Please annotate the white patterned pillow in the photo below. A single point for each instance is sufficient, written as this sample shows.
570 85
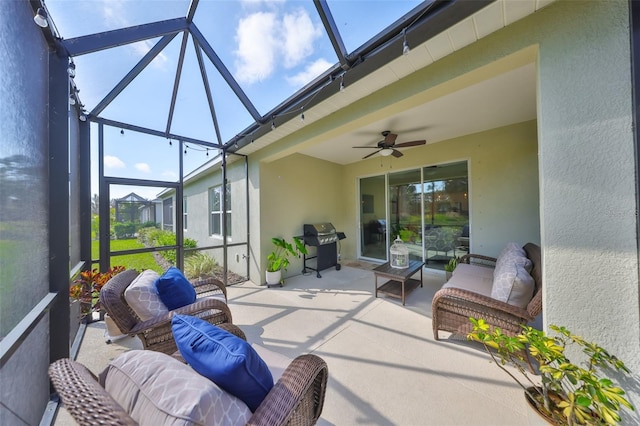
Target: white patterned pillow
142 297
512 284
512 252
156 389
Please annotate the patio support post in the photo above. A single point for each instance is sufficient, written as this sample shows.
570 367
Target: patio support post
178 211
85 192
59 203
103 209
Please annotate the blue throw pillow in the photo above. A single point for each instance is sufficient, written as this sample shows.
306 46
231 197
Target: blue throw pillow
174 289
223 358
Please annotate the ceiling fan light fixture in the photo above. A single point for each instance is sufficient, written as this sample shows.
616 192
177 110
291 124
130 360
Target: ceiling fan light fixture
385 152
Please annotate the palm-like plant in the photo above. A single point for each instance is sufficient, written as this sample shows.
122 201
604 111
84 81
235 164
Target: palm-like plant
569 393
278 259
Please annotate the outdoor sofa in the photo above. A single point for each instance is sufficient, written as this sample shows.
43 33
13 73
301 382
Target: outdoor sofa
505 291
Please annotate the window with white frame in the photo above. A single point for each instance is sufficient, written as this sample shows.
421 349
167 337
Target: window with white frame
215 208
184 213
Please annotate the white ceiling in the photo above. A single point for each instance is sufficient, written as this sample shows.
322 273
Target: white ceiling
499 101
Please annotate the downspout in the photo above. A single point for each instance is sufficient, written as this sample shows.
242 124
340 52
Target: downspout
634 27
224 217
246 192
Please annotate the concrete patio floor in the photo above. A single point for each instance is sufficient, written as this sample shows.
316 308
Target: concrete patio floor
385 368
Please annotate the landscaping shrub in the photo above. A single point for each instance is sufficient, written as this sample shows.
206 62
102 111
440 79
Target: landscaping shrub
124 230
200 265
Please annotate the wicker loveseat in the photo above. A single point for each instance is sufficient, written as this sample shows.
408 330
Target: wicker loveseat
155 332
469 294
170 392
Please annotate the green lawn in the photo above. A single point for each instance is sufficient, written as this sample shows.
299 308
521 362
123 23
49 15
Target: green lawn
139 262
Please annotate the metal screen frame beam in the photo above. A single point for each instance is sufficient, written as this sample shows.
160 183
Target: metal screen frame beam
332 31
153 132
176 81
224 72
106 40
207 89
131 75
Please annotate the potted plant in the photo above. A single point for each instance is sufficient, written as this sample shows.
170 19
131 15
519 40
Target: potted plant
567 393
450 267
86 290
278 259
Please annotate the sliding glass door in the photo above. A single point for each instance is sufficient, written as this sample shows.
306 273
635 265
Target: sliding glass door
373 218
446 213
405 211
428 208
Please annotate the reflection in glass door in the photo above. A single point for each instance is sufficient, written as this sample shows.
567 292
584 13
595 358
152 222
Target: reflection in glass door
373 224
405 212
427 208
446 213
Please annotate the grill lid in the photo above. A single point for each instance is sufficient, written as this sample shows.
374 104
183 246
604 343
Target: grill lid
317 229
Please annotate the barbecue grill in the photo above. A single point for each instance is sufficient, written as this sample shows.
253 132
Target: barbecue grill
324 237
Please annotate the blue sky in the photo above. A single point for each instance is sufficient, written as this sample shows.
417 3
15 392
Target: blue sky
272 48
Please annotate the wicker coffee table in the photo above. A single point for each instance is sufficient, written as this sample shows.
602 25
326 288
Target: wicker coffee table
399 282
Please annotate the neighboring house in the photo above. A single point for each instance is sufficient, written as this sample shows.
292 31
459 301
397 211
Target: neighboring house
134 208
545 113
202 214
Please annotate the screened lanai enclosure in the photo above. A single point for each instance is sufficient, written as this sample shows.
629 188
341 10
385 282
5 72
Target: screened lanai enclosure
165 103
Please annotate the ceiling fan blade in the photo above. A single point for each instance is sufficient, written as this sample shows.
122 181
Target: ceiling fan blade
397 153
412 143
373 153
390 139
370 147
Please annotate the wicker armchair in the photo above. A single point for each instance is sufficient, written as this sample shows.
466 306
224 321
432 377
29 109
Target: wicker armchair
452 307
297 398
155 333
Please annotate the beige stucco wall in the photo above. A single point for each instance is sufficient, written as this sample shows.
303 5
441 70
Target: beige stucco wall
503 173
197 193
588 174
586 160
503 184
296 190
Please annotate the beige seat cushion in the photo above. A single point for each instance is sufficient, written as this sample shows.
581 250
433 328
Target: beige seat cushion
142 297
478 279
156 389
513 284
512 252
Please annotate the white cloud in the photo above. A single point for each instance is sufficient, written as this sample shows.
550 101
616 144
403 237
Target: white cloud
257 46
112 162
299 35
170 174
142 47
265 40
312 71
115 14
143 167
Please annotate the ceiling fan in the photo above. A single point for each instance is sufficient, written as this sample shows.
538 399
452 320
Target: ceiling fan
388 145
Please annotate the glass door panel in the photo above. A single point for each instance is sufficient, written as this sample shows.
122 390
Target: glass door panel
405 212
373 224
446 213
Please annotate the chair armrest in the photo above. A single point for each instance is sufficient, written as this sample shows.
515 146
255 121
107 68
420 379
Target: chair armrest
83 396
470 304
299 393
478 259
200 306
209 286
